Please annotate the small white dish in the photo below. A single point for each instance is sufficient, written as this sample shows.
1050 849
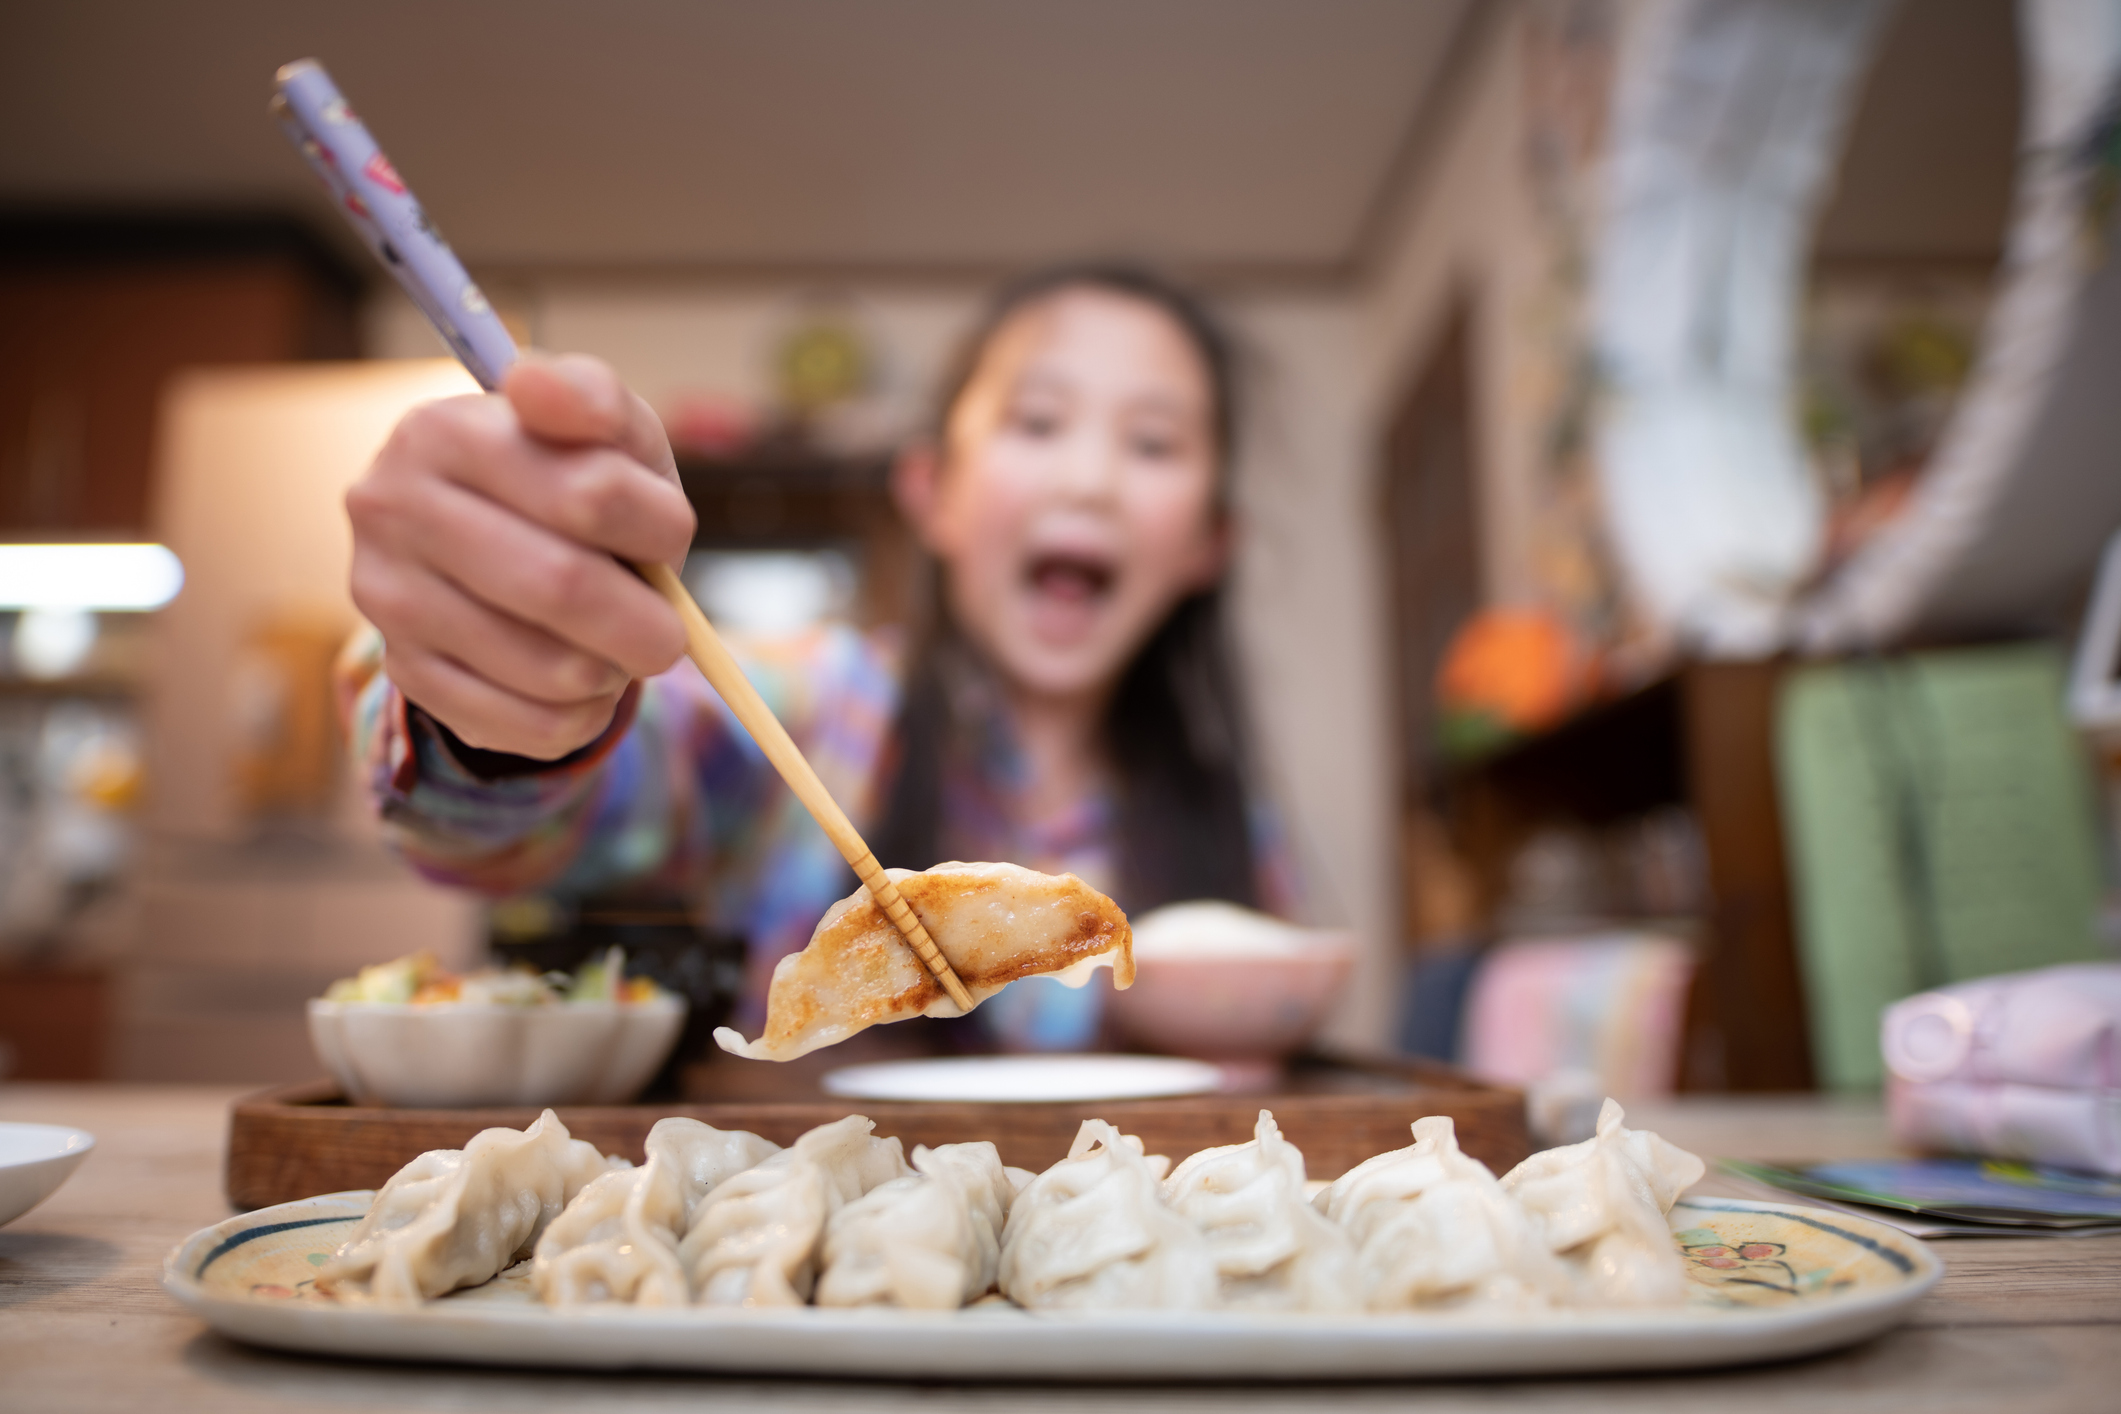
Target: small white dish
1001 1079
467 1054
34 1160
1223 983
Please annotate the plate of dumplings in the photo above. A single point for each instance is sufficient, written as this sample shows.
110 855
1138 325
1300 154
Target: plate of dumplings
843 1254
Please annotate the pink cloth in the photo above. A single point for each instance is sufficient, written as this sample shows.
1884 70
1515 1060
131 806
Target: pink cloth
1609 1005
2023 1066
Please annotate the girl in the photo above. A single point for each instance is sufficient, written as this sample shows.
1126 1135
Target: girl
1068 705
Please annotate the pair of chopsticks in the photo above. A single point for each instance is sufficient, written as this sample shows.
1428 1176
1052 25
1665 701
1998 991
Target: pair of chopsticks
375 201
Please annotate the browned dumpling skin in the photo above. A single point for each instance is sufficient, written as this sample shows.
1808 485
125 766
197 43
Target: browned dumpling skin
996 923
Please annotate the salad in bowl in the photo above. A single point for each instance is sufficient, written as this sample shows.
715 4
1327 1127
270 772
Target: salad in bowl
411 1033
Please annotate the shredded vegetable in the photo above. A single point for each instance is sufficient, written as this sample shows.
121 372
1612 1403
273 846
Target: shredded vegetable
421 980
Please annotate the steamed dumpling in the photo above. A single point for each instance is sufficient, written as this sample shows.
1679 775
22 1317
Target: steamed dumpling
698 1157
618 1240
458 1217
928 1242
1432 1224
1093 1233
753 1240
1601 1204
996 923
1273 1251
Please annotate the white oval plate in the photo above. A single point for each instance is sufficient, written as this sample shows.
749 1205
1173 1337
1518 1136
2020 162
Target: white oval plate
1771 1280
999 1079
34 1160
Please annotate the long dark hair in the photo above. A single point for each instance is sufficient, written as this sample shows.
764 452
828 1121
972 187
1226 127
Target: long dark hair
1173 728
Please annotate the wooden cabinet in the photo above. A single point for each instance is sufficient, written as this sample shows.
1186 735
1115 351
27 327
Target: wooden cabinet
1702 738
54 1023
96 315
792 498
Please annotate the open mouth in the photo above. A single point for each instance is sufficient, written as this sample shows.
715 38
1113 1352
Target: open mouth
1070 579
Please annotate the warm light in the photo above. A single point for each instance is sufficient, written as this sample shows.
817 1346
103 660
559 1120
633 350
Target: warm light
52 643
110 578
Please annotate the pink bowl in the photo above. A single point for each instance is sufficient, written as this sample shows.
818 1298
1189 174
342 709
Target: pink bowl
1239 1008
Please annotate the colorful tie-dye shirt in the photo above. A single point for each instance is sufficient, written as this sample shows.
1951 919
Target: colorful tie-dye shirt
676 800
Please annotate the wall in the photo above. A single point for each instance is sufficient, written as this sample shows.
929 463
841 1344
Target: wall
235 921
1312 635
251 466
1464 232
673 340
1495 220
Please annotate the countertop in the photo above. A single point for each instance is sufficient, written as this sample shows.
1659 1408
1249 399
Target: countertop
2020 1324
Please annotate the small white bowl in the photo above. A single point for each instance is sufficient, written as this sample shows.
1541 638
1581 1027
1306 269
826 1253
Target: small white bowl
464 1054
1227 984
34 1160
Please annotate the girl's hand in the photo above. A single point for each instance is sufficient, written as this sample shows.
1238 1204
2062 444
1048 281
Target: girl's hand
483 541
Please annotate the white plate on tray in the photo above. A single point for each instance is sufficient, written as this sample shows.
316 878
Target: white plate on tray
1775 1281
1015 1079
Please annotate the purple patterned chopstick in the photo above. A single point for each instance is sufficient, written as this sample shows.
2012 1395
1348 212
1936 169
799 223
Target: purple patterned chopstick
377 204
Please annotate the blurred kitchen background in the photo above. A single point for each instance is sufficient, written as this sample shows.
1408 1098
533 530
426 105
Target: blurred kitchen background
1684 441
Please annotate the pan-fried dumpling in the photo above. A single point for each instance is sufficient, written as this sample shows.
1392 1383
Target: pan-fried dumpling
929 1242
618 1240
754 1239
458 1217
1432 1224
996 923
1601 1204
1272 1249
1094 1233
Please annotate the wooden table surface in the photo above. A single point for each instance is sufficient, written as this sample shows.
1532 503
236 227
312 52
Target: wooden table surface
84 1326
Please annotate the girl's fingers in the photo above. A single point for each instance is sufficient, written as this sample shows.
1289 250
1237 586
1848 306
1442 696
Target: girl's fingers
515 656
527 572
573 399
570 398
597 495
484 716
483 544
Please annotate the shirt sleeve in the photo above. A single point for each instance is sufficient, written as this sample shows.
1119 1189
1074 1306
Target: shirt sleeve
673 797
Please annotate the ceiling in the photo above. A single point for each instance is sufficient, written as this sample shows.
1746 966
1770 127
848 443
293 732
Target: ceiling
1240 135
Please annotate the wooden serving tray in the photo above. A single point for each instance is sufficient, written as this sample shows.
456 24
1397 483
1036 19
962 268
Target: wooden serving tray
297 1141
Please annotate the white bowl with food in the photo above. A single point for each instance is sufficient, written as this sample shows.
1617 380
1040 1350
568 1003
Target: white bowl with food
406 1033
1218 982
34 1160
